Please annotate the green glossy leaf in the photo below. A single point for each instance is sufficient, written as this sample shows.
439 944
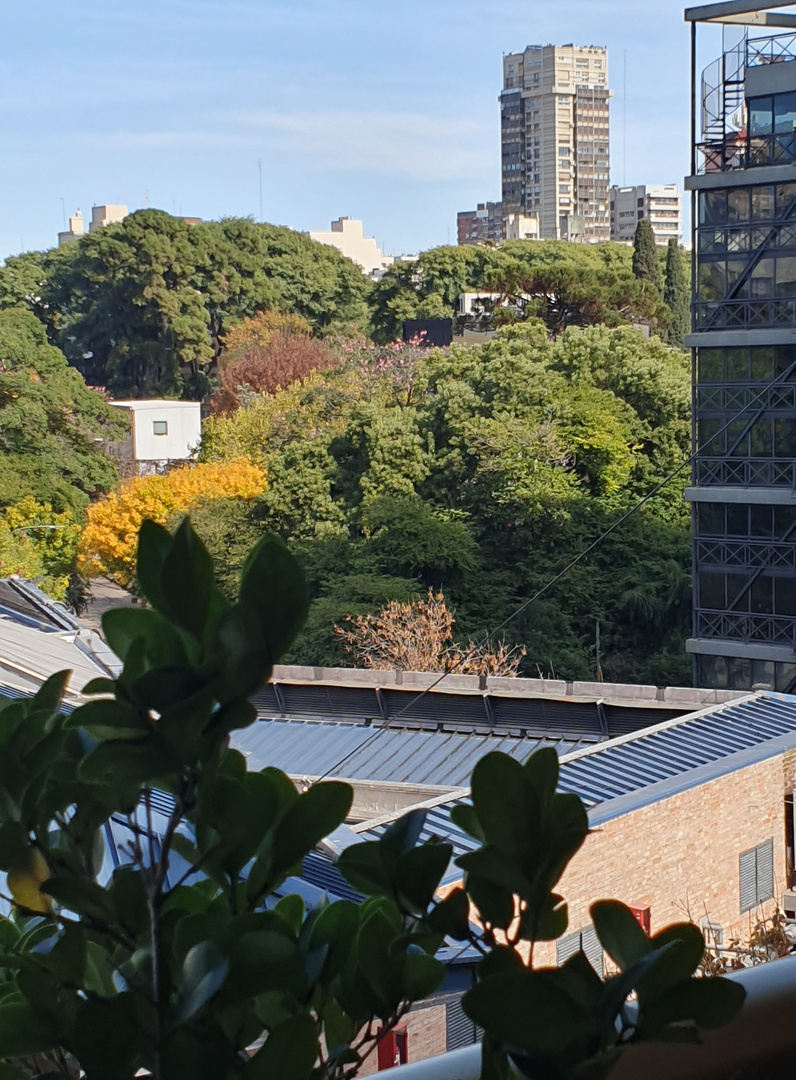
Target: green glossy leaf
451 916
84 897
123 626
335 929
273 585
50 694
126 762
154 542
100 686
422 975
500 960
374 955
362 866
706 1002
619 933
203 973
495 904
507 805
315 814
14 842
541 768
464 815
108 715
187 580
292 910
419 872
530 1011
401 836
23 1031
289 1052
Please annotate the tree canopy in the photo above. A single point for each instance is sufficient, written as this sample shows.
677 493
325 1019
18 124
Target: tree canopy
482 471
52 427
564 284
142 306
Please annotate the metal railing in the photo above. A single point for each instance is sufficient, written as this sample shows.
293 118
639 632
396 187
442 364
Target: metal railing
743 626
744 314
745 472
759 1044
746 553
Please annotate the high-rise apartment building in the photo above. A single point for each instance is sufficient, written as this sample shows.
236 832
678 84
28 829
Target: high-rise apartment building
482 225
743 487
554 138
660 204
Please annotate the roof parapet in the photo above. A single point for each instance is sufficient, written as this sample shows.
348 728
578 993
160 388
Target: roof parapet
743 13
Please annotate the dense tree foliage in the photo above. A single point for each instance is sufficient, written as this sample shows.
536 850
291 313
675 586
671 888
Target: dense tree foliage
482 472
676 296
563 284
51 425
646 264
143 306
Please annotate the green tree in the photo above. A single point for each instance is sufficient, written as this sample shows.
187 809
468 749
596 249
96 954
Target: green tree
482 472
142 306
52 427
676 296
646 265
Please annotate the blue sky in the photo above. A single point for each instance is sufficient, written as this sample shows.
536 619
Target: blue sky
386 111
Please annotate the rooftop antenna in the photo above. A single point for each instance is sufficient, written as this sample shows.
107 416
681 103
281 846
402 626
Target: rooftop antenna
624 120
63 211
260 172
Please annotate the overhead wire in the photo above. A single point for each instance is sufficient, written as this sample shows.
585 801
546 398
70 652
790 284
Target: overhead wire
566 570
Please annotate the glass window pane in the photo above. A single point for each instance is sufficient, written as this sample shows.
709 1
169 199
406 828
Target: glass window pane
710 519
762 363
737 520
710 365
737 205
708 439
785 438
713 208
712 241
739 674
784 358
738 592
784 518
760 440
786 194
784 113
760 520
761 596
760 116
737 365
761 282
786 276
763 203
711 591
784 596
738 438
712 280
735 267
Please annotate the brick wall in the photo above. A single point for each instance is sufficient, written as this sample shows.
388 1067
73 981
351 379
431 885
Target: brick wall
426 1033
683 852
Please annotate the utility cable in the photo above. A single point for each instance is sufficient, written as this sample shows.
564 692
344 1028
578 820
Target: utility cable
568 568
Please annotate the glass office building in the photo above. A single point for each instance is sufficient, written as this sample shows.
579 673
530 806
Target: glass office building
743 489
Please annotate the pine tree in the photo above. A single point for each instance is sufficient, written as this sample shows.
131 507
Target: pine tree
675 296
646 266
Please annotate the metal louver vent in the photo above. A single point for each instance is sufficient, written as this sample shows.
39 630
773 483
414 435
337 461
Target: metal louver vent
593 950
566 947
747 868
460 1030
765 871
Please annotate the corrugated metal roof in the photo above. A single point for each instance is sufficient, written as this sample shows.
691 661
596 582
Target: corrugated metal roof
355 751
660 761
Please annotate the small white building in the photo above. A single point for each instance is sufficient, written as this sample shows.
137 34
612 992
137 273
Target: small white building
660 204
161 431
521 227
348 236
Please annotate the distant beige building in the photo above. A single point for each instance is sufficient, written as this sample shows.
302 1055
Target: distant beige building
77 228
348 236
660 204
110 214
521 227
554 139
101 216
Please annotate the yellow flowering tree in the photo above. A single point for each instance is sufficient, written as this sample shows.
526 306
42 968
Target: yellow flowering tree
108 543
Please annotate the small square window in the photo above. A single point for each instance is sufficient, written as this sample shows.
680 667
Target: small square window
160 427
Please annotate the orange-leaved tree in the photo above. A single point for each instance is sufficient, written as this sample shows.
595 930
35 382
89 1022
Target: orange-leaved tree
108 543
257 331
